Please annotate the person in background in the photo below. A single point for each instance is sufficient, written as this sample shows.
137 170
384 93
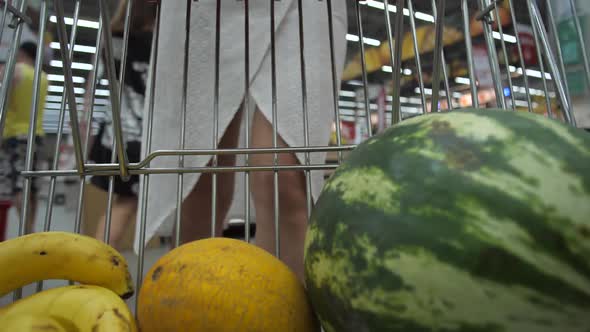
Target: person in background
217 122
13 147
136 70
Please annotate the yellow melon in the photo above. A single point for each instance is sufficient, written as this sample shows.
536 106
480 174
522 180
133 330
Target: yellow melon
222 284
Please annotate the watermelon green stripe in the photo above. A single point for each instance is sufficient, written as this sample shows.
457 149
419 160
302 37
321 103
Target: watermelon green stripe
444 203
455 302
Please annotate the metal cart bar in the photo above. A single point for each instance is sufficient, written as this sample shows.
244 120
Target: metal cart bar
557 47
541 62
416 57
305 115
334 72
248 111
438 46
505 54
148 143
492 54
60 127
22 227
443 62
113 87
559 81
182 138
555 91
520 56
361 42
469 51
275 121
69 94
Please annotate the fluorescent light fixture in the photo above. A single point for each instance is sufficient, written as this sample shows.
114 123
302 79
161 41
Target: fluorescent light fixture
350 104
104 81
406 100
405 71
52 106
530 72
462 80
424 17
79 100
57 88
537 74
380 5
507 38
75 65
58 99
100 92
60 78
368 41
533 92
81 23
355 82
344 93
101 101
77 48
427 91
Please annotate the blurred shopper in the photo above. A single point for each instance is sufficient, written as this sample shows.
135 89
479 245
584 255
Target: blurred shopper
202 123
13 147
132 100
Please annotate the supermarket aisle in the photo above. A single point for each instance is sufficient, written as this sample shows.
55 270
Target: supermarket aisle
63 220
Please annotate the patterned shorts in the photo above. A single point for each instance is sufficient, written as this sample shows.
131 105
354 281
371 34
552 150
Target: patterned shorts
13 153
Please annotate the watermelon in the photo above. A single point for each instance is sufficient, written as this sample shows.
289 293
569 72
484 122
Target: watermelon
474 220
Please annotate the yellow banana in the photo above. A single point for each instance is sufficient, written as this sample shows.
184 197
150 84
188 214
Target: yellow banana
60 255
85 308
30 323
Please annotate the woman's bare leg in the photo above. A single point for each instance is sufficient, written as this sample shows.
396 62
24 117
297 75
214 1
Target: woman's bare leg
196 208
292 200
124 207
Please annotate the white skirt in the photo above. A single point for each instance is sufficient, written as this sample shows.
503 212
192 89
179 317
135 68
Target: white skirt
161 200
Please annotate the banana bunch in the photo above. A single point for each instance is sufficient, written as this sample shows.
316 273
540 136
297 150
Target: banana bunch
59 255
96 305
29 322
72 308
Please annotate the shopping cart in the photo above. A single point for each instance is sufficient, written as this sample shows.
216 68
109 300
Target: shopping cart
505 70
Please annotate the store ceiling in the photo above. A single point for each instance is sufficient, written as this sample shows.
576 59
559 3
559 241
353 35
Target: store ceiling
372 22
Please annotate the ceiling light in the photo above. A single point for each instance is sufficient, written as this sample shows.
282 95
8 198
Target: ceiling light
462 80
427 91
60 78
419 15
507 38
344 93
368 41
75 65
81 23
57 88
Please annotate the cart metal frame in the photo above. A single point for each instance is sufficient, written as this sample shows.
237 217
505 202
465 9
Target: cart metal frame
549 55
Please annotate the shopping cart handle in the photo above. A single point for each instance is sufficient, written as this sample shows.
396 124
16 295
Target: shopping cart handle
17 13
